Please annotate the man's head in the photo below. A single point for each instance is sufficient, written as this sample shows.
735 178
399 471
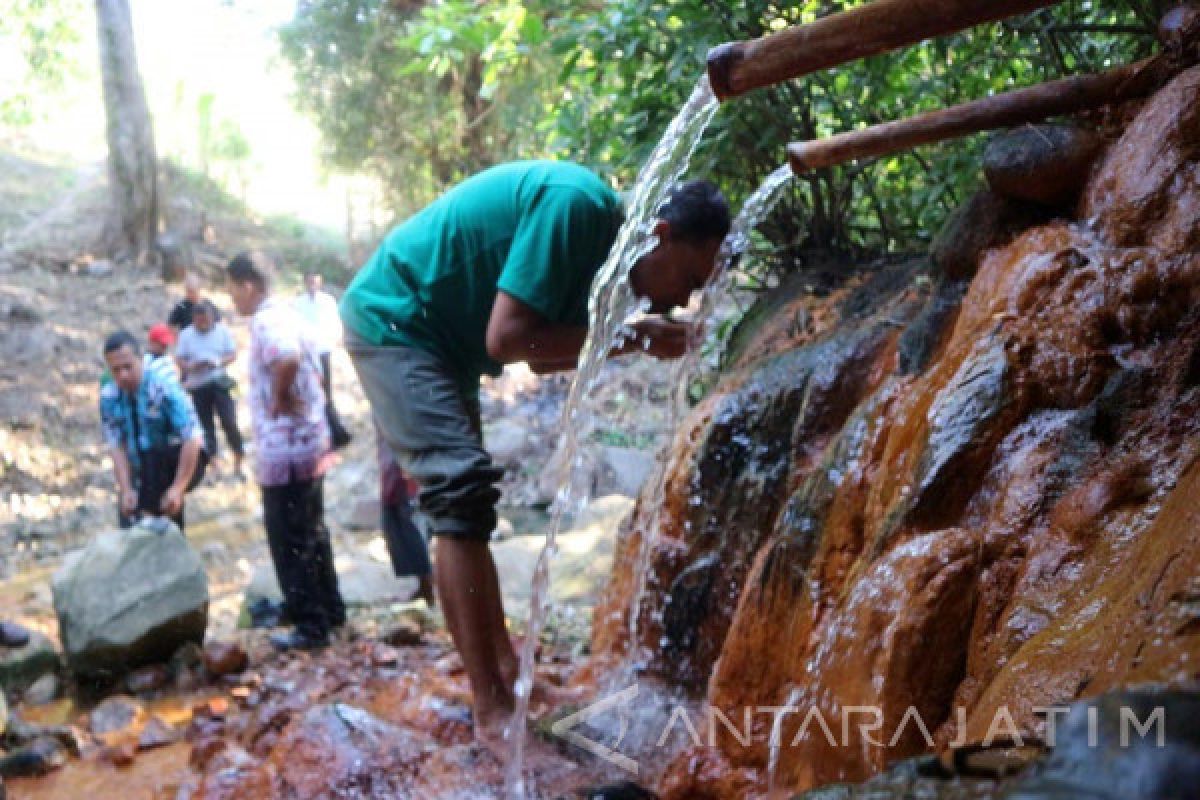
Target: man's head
124 359
313 282
191 287
691 225
248 279
204 315
159 338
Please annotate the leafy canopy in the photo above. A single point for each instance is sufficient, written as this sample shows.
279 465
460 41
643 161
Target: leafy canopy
422 94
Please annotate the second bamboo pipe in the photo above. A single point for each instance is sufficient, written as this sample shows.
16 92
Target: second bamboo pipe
1036 103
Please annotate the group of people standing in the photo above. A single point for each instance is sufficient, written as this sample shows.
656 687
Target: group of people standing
159 417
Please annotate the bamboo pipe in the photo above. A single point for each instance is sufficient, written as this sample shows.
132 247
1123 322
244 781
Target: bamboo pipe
737 67
1065 96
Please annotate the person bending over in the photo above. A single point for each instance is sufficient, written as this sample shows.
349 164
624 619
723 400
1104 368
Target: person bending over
151 431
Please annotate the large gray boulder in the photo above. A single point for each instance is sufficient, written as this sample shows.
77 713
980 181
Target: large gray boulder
129 598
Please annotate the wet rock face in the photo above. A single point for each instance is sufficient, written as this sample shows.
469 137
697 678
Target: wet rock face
992 512
961 427
864 657
985 221
130 598
1147 190
1043 164
729 472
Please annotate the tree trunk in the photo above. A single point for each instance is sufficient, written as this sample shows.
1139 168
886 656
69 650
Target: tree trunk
132 177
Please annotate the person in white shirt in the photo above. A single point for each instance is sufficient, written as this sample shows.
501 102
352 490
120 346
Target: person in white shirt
204 350
318 308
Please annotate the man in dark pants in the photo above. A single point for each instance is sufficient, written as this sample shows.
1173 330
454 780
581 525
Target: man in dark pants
151 430
204 350
499 270
287 408
405 542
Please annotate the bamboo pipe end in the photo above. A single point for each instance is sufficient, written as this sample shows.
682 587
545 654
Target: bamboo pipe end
798 153
722 60
1179 29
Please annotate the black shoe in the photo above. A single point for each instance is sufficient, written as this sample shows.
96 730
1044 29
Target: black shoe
297 640
13 635
340 437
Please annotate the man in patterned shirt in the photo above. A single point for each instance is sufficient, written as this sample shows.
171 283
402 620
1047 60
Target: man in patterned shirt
287 409
151 431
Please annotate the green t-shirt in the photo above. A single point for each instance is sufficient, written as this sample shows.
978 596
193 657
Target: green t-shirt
538 230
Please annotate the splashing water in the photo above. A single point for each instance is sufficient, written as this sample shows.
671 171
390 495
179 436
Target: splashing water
710 318
611 304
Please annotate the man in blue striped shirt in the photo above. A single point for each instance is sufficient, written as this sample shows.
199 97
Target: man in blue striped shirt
152 433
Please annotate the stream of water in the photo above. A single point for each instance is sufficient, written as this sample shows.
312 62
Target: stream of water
721 286
610 306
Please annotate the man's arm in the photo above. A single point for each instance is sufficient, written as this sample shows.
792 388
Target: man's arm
229 354
127 496
189 454
183 356
283 382
517 332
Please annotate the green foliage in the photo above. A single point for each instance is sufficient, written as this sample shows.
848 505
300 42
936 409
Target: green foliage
639 58
38 37
421 94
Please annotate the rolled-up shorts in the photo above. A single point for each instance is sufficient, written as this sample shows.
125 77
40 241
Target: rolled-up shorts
432 425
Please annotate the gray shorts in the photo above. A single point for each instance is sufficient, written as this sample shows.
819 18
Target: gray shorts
433 429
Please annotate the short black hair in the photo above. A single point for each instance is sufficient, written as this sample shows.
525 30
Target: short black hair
115 341
206 306
252 267
696 211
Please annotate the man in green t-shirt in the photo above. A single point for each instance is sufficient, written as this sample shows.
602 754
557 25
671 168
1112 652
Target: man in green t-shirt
499 270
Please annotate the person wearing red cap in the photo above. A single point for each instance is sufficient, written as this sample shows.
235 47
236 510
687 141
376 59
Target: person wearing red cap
158 342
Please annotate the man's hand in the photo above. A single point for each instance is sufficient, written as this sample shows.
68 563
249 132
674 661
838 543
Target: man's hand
284 398
128 502
659 337
285 404
172 501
